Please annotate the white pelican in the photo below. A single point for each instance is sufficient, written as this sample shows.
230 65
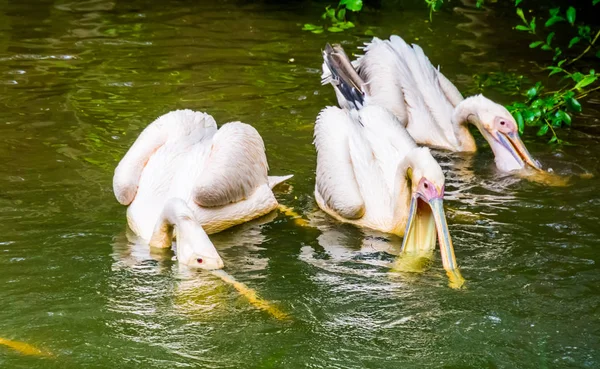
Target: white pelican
184 175
400 78
371 173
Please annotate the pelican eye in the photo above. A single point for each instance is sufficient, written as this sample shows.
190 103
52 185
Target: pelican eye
199 260
502 122
426 185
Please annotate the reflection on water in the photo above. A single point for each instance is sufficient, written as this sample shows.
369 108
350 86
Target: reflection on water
80 79
477 25
195 289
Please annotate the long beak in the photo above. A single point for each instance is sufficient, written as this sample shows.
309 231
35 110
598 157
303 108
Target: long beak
446 246
419 237
512 142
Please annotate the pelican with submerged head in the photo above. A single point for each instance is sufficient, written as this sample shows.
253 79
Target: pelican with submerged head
184 179
401 78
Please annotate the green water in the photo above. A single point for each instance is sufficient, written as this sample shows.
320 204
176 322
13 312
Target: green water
80 80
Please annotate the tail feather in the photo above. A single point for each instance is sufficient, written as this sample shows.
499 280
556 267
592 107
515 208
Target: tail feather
340 73
275 180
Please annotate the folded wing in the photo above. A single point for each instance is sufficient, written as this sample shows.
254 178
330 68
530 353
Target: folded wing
235 168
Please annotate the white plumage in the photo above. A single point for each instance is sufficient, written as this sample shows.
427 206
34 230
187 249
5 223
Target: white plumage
362 163
182 168
402 79
370 171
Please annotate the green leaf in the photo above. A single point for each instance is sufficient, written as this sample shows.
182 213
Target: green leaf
549 38
353 5
546 47
595 2
517 2
537 103
554 19
574 41
561 62
335 29
554 11
557 53
543 130
341 15
532 25
555 122
586 81
584 32
549 102
344 25
310 27
520 122
529 117
479 3
535 44
598 53
330 13
516 106
577 76
573 104
554 70
563 116
571 15
553 139
317 31
521 15
532 92
522 28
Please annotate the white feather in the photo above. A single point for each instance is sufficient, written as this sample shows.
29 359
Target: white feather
383 84
335 178
236 166
361 161
182 155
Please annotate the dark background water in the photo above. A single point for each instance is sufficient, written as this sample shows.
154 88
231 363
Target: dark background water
80 80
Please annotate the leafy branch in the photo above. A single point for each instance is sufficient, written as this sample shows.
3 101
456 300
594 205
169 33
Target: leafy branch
550 110
337 17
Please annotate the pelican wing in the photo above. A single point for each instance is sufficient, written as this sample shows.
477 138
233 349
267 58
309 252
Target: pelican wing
452 93
176 125
336 181
376 153
377 67
428 109
420 123
434 95
423 79
235 168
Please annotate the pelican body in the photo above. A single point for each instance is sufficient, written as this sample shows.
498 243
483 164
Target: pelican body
371 173
401 78
182 176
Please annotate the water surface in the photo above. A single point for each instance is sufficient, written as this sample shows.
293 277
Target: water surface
80 80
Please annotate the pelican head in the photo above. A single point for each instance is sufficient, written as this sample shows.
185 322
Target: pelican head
426 216
499 128
195 250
